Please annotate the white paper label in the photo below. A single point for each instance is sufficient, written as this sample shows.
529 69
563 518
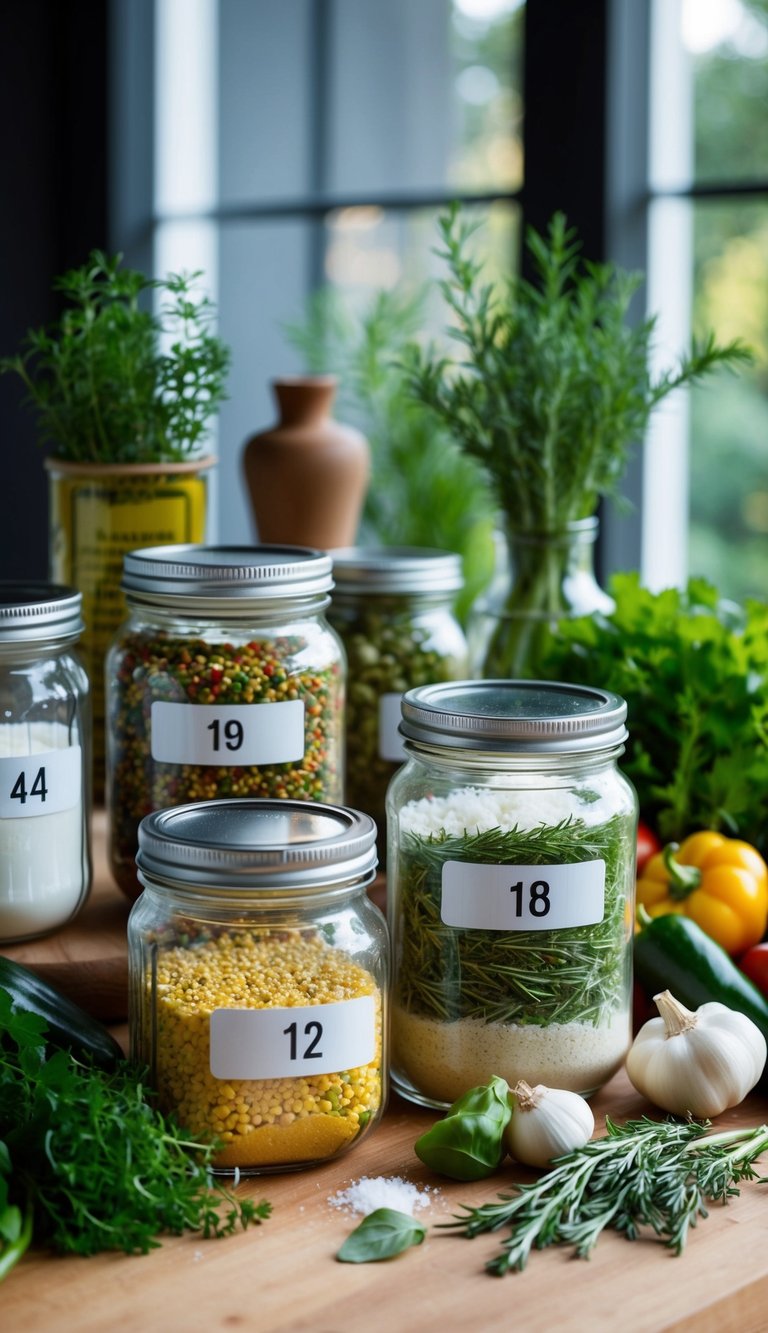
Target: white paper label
284 1043
40 784
224 735
478 897
391 745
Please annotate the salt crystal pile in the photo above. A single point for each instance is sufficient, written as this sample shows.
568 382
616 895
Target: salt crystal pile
371 1192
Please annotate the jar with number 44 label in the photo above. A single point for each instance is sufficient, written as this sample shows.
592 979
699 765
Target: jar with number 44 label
258 978
225 681
511 863
45 866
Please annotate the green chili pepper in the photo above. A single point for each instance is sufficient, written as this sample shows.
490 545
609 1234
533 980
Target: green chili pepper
468 1143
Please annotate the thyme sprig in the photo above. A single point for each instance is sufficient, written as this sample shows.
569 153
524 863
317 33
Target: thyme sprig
113 382
655 1174
542 977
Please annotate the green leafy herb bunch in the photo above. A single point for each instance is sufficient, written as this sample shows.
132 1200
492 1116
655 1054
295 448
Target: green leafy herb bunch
114 381
550 389
87 1161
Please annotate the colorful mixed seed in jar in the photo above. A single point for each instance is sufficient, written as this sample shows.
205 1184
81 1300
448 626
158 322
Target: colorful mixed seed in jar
262 1122
189 677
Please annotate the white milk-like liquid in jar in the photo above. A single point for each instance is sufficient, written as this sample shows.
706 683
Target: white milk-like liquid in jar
42 853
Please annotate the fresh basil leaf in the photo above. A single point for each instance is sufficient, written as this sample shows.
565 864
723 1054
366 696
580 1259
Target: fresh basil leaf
381 1235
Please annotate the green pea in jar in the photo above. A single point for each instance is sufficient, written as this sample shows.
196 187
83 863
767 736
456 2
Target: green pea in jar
226 681
393 608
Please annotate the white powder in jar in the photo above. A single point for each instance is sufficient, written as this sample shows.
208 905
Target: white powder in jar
371 1192
474 810
444 1060
43 857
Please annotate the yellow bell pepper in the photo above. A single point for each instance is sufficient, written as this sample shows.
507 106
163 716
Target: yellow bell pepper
720 883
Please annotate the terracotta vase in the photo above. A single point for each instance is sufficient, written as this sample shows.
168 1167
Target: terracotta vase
307 476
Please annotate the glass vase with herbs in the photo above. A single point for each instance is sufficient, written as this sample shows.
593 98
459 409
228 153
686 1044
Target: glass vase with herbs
550 390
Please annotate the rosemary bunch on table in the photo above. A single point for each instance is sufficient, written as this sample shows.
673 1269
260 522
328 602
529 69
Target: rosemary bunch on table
530 976
659 1175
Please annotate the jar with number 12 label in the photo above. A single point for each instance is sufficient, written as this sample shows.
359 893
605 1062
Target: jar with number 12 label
258 978
225 681
511 869
45 866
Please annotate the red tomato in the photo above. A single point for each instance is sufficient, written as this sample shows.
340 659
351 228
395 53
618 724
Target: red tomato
647 845
754 963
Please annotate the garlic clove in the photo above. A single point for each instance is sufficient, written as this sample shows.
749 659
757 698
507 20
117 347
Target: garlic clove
547 1123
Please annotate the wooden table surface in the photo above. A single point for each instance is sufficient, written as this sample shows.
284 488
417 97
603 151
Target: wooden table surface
282 1276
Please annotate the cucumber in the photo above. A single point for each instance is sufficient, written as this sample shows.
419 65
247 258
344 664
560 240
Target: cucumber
673 953
68 1026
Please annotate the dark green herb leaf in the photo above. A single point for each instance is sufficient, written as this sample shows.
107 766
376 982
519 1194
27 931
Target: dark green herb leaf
694 673
381 1235
468 1143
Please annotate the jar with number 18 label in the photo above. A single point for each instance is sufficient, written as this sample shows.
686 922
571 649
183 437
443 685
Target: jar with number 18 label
225 681
258 978
511 869
45 866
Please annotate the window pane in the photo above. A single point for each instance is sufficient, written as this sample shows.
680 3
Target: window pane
265 113
425 96
729 416
728 44
263 278
371 248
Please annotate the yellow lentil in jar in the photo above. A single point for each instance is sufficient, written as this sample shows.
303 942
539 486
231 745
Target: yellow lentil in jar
261 1122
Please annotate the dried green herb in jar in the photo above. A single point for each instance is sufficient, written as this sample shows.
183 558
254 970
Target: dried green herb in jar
221 695
392 607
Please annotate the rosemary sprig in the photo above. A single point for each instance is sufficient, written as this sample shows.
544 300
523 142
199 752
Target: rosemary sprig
540 977
645 1173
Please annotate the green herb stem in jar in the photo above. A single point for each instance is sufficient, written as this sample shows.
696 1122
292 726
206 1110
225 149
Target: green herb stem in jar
546 1005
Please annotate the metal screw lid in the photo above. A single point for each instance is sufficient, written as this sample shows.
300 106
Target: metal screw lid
254 844
514 716
236 573
393 569
34 612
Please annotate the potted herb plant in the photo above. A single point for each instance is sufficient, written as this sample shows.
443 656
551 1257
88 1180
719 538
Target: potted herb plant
550 390
124 395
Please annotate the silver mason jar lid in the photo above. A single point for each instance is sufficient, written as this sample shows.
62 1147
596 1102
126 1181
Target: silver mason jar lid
395 569
231 573
254 844
514 716
35 612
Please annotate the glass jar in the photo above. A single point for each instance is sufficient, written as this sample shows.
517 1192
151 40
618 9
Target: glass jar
512 837
393 607
45 863
214 635
258 978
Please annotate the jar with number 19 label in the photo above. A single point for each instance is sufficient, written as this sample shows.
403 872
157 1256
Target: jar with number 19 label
258 978
45 866
225 681
511 870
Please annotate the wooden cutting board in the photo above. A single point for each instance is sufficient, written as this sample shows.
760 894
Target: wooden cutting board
88 959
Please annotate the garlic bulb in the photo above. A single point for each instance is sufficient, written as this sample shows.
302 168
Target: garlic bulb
699 1063
546 1123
